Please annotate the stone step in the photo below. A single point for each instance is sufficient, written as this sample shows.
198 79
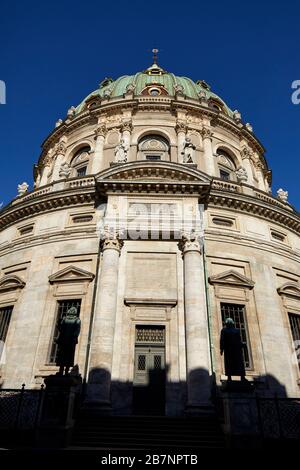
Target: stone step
147 432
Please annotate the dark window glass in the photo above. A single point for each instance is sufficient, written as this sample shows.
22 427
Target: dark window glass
152 157
62 308
81 171
238 315
224 175
5 316
295 329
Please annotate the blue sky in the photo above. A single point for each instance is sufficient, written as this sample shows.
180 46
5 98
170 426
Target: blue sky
52 54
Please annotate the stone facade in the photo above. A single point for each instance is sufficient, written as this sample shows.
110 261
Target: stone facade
54 248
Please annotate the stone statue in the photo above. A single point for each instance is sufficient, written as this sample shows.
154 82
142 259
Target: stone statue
188 151
65 170
237 116
249 127
179 89
69 329
121 152
282 195
71 112
130 88
22 188
58 122
232 346
241 174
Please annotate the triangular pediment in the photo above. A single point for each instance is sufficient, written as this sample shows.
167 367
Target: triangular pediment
11 282
291 289
71 274
232 278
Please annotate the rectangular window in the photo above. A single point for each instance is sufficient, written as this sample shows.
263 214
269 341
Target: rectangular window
152 157
81 171
294 319
62 308
5 316
238 314
224 175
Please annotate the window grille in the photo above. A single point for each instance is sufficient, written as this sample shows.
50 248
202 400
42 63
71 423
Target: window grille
150 335
238 315
62 308
294 319
5 316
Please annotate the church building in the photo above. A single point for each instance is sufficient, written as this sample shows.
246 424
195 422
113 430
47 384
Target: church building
152 214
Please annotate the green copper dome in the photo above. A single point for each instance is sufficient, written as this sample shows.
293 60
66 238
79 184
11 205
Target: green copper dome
154 81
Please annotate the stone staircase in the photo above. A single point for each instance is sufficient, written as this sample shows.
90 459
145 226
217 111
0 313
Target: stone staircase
147 432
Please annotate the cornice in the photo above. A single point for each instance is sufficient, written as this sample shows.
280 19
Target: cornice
256 207
146 177
46 202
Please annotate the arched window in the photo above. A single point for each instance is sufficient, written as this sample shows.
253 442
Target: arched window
226 165
153 147
80 161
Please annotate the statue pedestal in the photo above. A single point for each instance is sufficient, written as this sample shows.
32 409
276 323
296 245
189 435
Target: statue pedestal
58 409
240 414
235 386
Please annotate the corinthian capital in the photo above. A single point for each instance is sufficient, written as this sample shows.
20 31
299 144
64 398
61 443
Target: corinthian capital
100 130
181 127
111 238
206 133
48 159
60 148
246 152
190 241
127 126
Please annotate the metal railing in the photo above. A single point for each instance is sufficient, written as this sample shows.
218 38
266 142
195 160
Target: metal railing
270 418
20 408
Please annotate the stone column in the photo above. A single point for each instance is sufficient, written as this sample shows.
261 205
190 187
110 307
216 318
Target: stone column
181 132
259 173
196 327
97 163
246 157
60 151
126 134
100 367
46 169
208 152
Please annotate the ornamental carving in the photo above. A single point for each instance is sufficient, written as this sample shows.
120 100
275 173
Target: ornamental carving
111 238
246 152
127 126
206 133
241 175
130 88
48 159
100 131
60 148
65 170
190 241
181 127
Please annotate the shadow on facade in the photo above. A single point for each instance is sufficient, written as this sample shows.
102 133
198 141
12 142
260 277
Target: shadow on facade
250 414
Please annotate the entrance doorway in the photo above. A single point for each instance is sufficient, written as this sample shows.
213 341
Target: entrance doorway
149 381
